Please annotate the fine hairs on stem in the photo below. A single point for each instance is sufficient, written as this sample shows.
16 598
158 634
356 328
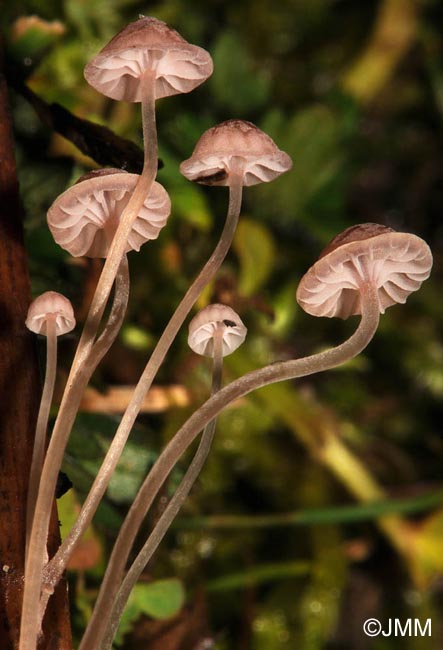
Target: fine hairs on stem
361 272
65 418
38 452
111 581
161 528
50 314
269 374
32 615
254 158
58 563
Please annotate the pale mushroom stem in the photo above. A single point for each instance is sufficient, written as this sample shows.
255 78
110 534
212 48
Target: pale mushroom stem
38 452
127 218
36 556
211 408
106 618
58 563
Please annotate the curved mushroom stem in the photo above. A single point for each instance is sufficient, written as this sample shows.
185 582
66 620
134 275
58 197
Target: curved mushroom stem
36 556
60 433
105 620
127 218
58 563
211 408
38 452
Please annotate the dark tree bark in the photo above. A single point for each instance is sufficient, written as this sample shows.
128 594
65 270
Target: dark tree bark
19 399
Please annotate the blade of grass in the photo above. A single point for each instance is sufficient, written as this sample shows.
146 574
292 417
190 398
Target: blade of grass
342 514
259 574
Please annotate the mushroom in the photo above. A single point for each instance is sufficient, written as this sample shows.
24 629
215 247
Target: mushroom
147 60
235 163
215 154
143 48
83 220
395 263
212 323
144 61
66 415
216 331
51 315
370 308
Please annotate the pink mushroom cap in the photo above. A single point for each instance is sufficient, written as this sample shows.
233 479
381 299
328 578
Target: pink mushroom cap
83 219
50 305
397 263
211 160
148 44
203 326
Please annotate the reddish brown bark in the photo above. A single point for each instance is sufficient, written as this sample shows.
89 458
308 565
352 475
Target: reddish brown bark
19 398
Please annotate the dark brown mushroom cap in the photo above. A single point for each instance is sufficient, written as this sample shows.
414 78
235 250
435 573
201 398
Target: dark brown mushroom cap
84 218
148 44
204 324
397 263
212 158
50 305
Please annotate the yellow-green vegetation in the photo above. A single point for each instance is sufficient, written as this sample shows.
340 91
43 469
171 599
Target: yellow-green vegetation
321 501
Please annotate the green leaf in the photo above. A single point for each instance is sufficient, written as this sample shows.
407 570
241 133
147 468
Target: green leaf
160 600
256 251
136 338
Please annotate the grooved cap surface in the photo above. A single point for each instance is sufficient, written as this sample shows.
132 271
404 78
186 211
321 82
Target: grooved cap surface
84 218
50 305
221 146
203 326
148 44
397 263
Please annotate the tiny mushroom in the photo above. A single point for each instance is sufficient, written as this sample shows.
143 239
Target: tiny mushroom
205 324
223 147
50 306
147 51
84 219
50 314
395 263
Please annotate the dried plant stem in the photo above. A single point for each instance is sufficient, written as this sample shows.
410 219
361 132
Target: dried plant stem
68 409
58 564
211 408
38 452
103 614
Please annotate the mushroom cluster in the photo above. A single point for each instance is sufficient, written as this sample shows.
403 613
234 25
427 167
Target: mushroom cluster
109 213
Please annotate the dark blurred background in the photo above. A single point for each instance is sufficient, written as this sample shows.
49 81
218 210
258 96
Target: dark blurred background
353 91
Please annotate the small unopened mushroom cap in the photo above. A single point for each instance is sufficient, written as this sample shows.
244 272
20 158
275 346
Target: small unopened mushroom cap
148 44
83 219
204 324
212 158
50 305
397 263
